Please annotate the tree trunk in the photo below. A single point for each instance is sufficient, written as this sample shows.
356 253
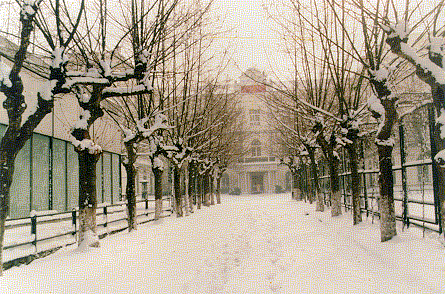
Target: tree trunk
177 190
87 199
335 187
218 190
212 190
206 189
438 92
200 191
297 186
158 192
7 160
187 202
438 95
318 196
355 183
386 200
192 186
130 187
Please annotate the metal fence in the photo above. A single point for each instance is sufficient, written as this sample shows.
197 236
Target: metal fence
31 237
416 200
46 176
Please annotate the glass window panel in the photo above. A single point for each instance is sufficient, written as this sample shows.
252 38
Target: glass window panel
99 192
59 175
116 178
40 172
73 177
20 189
107 176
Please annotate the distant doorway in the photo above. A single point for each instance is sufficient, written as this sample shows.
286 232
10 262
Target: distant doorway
257 183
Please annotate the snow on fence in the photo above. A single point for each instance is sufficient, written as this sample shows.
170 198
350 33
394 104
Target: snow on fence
44 232
416 199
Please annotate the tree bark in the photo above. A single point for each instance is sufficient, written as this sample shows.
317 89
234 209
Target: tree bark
335 187
297 186
355 183
384 148
206 190
200 191
187 202
212 189
386 200
7 160
177 190
158 192
192 186
438 92
130 187
319 198
218 190
328 148
87 199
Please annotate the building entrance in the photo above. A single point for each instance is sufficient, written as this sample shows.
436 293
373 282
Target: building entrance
257 182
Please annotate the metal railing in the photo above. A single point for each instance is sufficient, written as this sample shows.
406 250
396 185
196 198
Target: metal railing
46 230
415 192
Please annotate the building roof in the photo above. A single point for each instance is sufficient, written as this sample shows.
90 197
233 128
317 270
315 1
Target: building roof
33 62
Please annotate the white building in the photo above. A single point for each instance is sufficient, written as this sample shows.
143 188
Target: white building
259 170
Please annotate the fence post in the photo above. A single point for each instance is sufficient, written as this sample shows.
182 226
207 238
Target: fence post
403 169
365 192
343 180
34 230
74 220
106 216
434 167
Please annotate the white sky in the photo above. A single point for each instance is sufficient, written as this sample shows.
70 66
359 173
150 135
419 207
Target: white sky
253 41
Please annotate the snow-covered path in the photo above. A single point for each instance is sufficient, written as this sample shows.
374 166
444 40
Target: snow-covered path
249 244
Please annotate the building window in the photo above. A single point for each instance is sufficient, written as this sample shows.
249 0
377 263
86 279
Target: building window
256 148
254 117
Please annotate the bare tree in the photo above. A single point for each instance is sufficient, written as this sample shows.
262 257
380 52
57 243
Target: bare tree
140 117
103 72
428 62
11 85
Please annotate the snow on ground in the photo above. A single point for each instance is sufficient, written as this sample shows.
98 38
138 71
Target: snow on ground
249 244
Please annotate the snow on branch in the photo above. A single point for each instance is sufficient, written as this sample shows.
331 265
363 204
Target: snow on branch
158 163
82 122
398 30
87 144
124 91
29 9
375 106
47 90
141 132
441 122
427 65
4 75
398 38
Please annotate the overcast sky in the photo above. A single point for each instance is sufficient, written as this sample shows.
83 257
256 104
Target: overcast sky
253 40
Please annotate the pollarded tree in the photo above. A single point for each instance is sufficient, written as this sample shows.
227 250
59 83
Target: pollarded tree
102 73
19 130
313 86
140 117
293 163
382 102
428 63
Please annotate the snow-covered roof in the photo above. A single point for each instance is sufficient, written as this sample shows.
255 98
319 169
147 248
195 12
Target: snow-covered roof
33 62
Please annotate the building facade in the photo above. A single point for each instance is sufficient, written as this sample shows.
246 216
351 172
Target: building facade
259 170
46 175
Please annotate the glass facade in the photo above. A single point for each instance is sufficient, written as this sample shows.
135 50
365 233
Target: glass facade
46 177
